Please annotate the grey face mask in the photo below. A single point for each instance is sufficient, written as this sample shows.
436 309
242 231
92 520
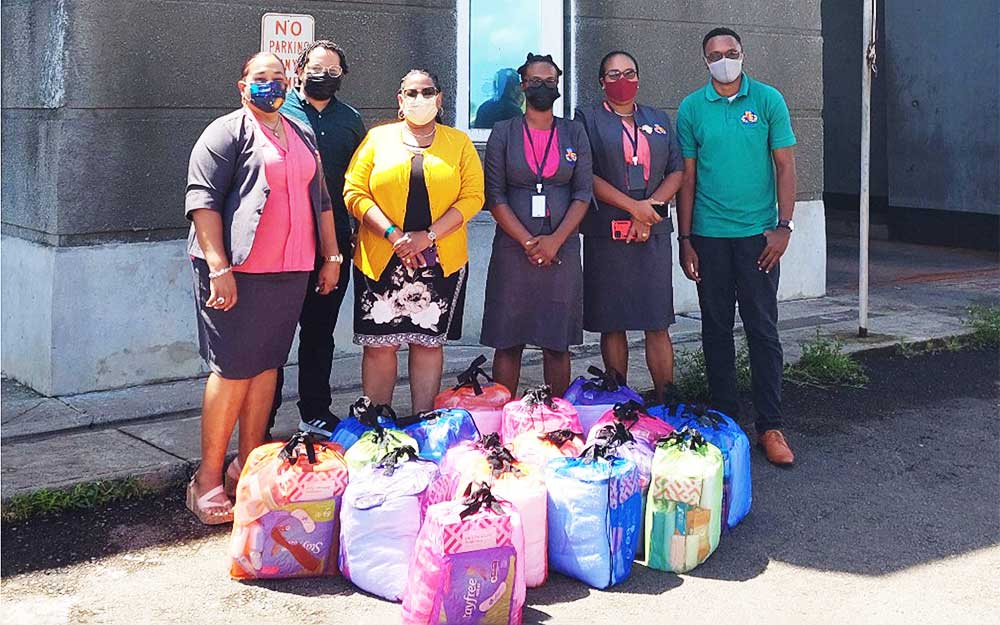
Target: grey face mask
726 70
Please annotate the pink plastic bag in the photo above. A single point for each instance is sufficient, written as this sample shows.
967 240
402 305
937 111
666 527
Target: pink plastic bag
644 428
538 411
464 459
535 450
468 564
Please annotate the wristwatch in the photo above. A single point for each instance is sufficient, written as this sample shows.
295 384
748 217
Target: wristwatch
683 237
338 258
432 235
787 224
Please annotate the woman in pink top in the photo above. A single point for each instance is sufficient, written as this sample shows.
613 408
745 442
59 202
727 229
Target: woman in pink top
538 187
260 211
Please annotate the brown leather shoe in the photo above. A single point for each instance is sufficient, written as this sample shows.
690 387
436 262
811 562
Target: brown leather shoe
776 448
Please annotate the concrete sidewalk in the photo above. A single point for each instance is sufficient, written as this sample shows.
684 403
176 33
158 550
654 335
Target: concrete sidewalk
152 432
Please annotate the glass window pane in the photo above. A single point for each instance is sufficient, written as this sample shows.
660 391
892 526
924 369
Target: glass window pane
501 34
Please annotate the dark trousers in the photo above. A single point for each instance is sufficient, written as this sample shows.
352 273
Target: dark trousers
316 325
729 274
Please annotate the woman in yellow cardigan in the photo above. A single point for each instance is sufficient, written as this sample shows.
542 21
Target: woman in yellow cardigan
413 186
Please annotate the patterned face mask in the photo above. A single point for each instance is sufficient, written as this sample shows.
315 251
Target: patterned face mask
267 96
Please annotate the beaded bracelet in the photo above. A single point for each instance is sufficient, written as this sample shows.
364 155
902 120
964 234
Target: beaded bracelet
212 275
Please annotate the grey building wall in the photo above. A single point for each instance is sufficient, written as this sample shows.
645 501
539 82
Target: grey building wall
943 105
104 99
935 153
842 104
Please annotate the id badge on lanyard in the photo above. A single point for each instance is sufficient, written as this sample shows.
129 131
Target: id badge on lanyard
539 210
634 171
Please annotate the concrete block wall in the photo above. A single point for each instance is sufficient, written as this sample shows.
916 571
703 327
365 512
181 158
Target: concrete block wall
104 99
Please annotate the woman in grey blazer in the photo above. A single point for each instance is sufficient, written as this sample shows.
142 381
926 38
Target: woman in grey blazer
637 171
260 215
538 187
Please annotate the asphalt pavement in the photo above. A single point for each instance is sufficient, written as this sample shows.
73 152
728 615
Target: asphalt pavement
890 515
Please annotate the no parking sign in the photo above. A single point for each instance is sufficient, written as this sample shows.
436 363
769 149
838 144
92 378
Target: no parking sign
286 35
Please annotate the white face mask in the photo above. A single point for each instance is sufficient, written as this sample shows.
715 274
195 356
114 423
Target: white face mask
726 70
420 110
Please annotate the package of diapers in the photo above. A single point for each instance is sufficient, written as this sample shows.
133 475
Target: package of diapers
439 430
644 428
535 449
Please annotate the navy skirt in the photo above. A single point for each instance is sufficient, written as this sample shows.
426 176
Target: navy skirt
257 333
627 286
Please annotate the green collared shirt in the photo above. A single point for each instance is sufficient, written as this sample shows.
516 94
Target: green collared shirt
339 131
732 141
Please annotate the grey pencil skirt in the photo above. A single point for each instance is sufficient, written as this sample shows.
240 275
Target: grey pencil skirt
257 333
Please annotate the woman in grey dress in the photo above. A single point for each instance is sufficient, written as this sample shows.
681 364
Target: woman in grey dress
637 170
538 187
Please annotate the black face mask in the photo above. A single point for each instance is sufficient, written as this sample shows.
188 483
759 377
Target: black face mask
322 86
541 97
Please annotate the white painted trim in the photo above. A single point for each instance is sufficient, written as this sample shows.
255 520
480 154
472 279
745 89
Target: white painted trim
552 18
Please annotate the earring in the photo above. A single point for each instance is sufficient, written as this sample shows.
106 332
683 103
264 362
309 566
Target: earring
400 114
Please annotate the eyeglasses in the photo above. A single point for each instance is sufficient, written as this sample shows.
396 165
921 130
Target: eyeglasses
427 92
729 54
614 74
538 82
333 72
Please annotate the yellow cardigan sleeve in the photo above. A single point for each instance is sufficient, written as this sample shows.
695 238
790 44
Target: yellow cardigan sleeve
472 194
357 190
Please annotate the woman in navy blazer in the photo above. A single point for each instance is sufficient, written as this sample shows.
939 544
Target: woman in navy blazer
637 171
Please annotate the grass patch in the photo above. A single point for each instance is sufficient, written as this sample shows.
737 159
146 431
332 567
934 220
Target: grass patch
985 324
825 365
81 496
692 379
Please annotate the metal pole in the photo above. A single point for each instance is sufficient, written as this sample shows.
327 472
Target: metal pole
867 62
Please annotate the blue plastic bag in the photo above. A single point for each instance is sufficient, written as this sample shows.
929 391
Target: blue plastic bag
364 415
721 431
438 431
596 395
594 513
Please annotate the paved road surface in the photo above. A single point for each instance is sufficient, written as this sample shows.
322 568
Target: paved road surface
890 516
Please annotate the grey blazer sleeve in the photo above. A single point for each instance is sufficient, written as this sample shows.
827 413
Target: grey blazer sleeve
211 168
583 173
495 166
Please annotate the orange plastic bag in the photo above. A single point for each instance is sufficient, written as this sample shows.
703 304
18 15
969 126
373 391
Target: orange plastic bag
287 510
477 393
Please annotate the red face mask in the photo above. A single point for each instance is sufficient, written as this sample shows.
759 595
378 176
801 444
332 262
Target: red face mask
621 90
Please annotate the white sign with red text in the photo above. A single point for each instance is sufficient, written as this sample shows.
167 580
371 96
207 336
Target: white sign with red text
286 35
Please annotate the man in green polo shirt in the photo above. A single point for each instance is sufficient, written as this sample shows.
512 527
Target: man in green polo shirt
734 218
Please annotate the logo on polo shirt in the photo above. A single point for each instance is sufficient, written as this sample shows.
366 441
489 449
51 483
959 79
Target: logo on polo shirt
570 155
749 118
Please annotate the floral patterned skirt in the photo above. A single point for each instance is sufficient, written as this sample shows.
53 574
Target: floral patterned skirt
421 307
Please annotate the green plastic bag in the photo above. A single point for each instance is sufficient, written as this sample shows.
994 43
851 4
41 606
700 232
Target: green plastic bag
376 444
684 504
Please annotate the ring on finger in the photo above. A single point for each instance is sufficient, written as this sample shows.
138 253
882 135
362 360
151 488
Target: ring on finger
220 300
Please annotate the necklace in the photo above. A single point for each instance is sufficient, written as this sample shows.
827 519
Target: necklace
611 108
274 128
416 136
